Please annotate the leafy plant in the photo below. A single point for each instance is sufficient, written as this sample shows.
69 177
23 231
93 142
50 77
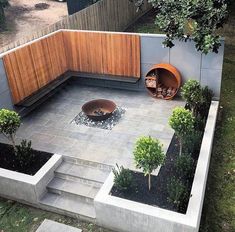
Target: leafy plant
198 99
192 93
25 154
207 95
184 165
123 179
182 121
9 123
176 191
192 142
190 19
148 155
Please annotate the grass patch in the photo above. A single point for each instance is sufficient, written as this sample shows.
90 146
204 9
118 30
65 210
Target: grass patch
21 218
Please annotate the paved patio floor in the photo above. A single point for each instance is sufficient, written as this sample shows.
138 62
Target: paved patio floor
50 129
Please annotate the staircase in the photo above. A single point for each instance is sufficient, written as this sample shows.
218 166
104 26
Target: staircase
74 187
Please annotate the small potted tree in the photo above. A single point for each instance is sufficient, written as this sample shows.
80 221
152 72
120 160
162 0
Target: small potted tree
148 155
9 123
182 121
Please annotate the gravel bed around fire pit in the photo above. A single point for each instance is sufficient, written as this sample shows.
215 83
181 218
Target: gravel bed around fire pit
108 124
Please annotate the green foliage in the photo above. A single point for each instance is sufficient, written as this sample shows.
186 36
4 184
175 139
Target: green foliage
184 165
190 19
24 154
9 123
192 94
123 179
192 143
182 121
176 191
197 98
148 155
203 108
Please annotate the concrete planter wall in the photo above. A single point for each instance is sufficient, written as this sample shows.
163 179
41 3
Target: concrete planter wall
26 188
125 215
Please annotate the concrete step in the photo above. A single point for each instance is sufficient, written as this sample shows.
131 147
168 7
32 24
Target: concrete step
76 160
52 226
68 205
82 173
64 187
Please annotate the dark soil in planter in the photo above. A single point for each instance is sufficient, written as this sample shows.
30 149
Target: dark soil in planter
9 161
158 196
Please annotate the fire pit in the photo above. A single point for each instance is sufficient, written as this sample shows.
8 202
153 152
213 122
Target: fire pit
98 110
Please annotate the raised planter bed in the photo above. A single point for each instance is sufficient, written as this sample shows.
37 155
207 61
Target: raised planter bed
30 187
127 215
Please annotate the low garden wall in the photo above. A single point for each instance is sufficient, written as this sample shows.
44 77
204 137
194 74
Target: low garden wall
127 216
26 188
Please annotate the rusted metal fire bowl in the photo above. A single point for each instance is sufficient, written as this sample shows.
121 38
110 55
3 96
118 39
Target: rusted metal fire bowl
98 110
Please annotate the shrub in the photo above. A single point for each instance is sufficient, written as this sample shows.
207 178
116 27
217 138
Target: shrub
123 179
25 154
207 95
192 142
148 155
176 191
9 123
184 165
197 98
192 94
182 121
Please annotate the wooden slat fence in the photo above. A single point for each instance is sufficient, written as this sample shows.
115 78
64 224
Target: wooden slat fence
33 66
105 15
103 53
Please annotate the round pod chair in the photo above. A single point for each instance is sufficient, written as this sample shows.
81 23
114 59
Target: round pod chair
163 81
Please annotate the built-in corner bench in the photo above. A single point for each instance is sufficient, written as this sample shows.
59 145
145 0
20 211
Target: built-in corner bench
50 89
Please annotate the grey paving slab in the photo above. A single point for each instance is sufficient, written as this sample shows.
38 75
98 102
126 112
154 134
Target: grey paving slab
50 129
52 226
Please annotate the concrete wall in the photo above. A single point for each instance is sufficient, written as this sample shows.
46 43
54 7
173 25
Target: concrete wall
26 188
5 95
128 216
207 69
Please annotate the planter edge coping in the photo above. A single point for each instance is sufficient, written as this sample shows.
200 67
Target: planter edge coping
5 173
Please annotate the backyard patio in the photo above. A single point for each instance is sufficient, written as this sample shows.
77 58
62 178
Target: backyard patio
51 129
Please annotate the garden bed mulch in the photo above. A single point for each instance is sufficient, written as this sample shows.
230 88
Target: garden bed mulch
158 195
9 161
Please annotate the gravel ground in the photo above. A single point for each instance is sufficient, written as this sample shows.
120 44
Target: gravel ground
23 18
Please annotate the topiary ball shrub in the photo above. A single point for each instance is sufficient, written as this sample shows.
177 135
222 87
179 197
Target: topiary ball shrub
182 121
148 155
9 124
123 179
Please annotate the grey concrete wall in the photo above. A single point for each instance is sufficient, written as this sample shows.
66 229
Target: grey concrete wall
5 95
26 188
207 69
125 215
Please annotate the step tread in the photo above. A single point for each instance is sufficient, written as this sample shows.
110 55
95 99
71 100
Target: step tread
69 204
73 187
83 171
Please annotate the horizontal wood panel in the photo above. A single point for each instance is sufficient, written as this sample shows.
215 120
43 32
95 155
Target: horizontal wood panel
103 53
